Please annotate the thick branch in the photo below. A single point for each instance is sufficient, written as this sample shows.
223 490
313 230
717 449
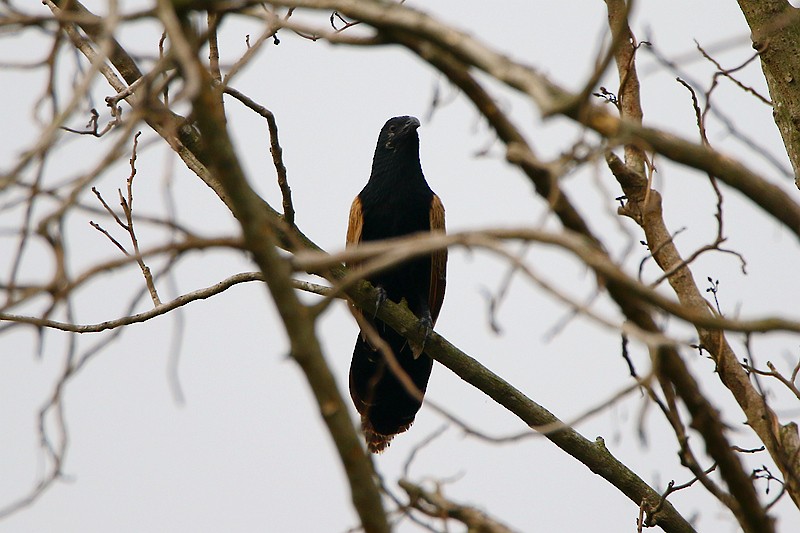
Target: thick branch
637 313
257 227
644 206
462 51
400 23
629 103
592 454
173 128
379 255
775 32
760 417
446 49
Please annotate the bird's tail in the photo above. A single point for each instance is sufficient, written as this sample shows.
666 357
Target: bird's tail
383 400
377 442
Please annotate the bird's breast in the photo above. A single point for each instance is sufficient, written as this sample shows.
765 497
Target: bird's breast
395 216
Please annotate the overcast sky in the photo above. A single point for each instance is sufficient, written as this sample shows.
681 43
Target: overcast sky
246 450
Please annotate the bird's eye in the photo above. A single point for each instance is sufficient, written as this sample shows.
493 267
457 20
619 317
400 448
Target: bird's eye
392 128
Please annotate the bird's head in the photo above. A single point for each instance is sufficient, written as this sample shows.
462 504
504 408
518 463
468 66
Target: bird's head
399 132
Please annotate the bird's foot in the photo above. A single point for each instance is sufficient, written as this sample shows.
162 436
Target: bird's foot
426 325
381 297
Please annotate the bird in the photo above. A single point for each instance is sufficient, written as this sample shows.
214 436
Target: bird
396 201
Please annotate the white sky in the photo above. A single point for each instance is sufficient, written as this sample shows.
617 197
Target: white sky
247 451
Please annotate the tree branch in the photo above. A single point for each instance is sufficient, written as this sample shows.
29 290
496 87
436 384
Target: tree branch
436 505
644 204
421 32
776 37
592 454
162 309
257 227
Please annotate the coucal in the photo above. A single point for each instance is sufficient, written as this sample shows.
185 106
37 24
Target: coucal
396 201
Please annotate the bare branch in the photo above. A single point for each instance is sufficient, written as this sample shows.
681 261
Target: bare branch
435 505
774 373
260 239
127 208
161 309
429 38
387 253
63 286
110 237
274 148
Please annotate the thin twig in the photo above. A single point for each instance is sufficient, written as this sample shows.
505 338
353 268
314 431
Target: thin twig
274 148
127 208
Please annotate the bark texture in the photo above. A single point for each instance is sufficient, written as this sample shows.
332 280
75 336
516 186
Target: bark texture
775 32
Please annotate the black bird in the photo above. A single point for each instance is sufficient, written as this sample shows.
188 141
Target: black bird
396 201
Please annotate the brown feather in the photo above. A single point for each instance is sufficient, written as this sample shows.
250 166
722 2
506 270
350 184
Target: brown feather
438 261
355 225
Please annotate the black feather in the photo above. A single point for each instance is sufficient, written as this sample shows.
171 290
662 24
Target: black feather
396 201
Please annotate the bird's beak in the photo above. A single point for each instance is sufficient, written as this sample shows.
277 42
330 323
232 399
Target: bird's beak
411 124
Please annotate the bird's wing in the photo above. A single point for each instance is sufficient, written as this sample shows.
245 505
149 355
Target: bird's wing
355 225
356 222
438 261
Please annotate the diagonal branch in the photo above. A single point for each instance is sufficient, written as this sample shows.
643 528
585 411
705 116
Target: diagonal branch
594 455
421 32
452 51
645 204
257 226
274 149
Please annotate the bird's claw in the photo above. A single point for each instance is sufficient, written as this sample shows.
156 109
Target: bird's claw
425 324
381 297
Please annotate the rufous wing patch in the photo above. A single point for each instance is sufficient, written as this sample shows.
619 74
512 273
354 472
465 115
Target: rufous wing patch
355 225
438 261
